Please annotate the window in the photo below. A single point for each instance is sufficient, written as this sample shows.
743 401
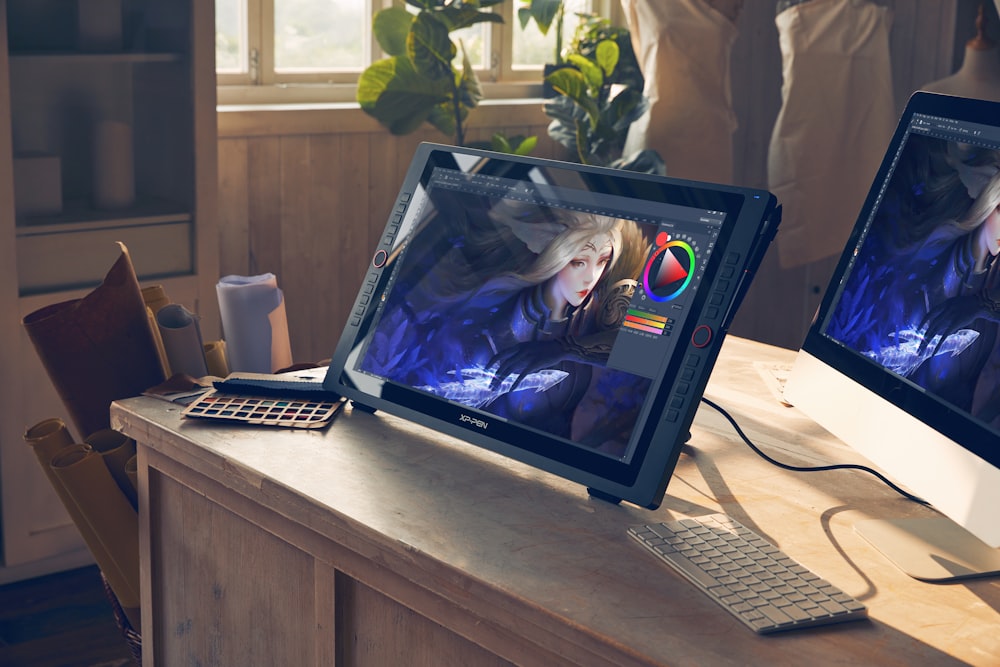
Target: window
314 50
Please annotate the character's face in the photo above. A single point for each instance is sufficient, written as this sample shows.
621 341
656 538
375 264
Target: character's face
991 227
575 281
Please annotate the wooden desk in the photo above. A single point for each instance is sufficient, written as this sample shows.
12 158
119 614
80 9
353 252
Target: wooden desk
378 542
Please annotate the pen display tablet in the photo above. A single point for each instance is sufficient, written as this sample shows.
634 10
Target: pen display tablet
563 315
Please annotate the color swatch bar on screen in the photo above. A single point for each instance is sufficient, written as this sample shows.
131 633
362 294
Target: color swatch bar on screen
648 322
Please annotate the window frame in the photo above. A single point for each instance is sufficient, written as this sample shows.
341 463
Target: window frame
261 85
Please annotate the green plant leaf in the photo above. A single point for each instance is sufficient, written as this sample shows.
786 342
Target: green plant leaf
499 143
456 18
563 109
391 26
569 82
563 134
592 74
527 146
393 93
442 117
542 11
430 48
607 54
470 91
625 108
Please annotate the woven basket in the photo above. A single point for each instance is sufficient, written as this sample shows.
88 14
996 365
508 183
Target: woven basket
132 638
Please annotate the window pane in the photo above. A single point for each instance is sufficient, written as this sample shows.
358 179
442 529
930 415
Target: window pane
230 36
328 35
474 39
532 49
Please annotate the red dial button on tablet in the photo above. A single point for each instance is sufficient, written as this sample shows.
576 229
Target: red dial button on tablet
702 336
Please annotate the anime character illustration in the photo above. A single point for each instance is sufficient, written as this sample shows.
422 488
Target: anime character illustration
512 308
923 298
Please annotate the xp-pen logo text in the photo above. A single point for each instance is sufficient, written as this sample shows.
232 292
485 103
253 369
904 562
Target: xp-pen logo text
479 423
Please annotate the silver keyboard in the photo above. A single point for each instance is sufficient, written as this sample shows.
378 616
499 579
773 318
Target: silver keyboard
751 578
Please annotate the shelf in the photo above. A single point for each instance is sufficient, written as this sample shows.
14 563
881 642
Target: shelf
73 57
75 248
78 215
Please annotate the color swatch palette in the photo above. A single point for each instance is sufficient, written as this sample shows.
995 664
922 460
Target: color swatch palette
648 322
288 412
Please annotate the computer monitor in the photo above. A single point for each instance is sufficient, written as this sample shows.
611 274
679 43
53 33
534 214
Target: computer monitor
902 361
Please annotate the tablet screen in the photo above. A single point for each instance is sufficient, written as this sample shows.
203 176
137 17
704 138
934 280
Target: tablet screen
563 315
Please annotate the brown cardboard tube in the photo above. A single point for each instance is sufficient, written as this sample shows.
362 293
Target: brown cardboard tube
99 348
132 472
116 449
110 517
155 297
215 358
47 439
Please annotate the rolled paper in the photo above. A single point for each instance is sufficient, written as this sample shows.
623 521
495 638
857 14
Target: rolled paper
110 517
181 337
155 297
99 348
160 351
132 472
254 323
116 449
113 172
46 438
215 358
49 439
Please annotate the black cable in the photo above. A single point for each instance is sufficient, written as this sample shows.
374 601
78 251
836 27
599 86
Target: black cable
786 466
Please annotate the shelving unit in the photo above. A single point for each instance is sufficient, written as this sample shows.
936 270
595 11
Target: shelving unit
107 133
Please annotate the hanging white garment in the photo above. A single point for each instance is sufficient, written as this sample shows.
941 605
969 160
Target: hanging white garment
683 48
836 119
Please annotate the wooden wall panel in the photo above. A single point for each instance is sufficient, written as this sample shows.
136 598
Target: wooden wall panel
264 211
234 202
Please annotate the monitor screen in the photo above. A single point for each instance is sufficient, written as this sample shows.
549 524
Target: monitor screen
902 360
565 315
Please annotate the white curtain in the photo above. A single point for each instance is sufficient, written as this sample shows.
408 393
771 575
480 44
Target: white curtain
683 48
836 119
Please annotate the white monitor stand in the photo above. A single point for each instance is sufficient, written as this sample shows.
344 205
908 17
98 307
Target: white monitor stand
959 484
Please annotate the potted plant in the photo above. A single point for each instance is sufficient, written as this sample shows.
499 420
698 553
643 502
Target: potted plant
599 95
418 81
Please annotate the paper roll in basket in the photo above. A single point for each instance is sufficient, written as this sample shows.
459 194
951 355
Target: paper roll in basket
181 336
106 510
116 449
99 348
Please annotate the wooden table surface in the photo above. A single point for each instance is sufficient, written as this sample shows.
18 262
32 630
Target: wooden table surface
528 567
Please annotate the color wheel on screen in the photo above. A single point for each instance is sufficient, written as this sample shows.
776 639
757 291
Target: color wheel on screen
668 272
